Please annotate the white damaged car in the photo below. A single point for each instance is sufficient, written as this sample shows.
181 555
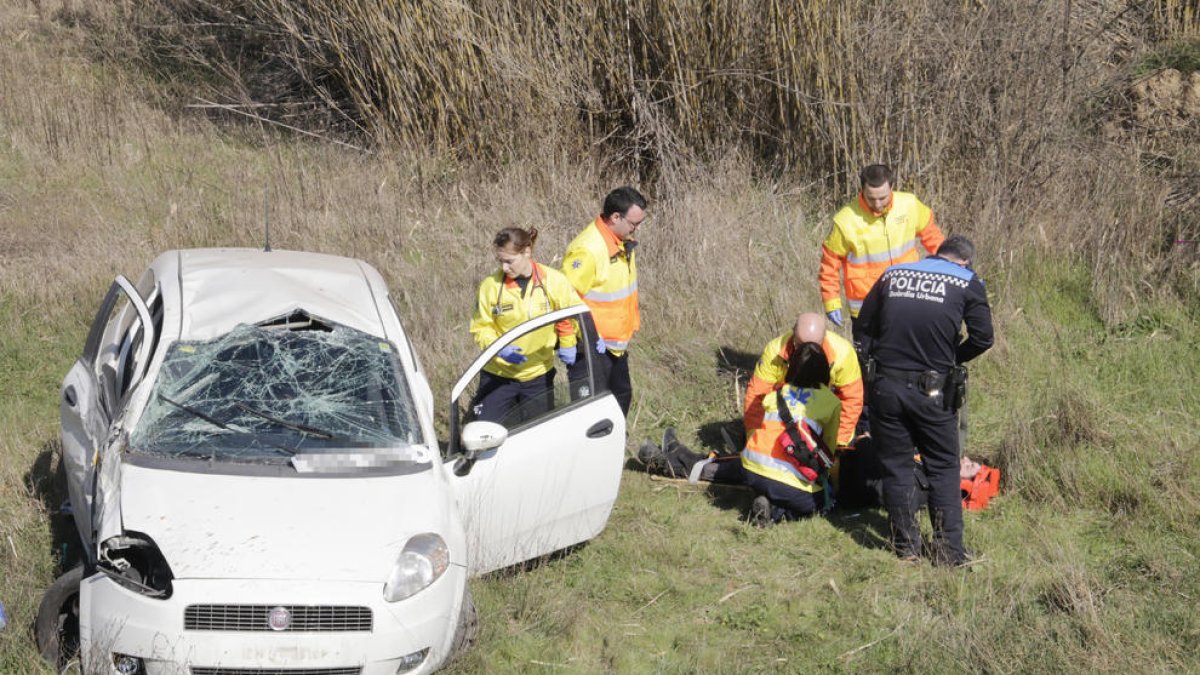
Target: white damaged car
254 474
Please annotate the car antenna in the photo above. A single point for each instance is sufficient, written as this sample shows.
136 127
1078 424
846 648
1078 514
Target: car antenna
266 224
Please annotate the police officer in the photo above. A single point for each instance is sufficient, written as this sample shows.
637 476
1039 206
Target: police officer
909 326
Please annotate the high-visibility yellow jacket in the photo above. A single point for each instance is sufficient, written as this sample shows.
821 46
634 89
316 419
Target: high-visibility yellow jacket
845 379
863 243
765 453
604 273
501 305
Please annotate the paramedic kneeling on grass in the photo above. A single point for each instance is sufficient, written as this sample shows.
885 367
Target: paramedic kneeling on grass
800 420
522 374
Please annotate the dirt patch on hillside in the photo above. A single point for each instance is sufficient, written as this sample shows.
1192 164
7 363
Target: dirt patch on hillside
1166 101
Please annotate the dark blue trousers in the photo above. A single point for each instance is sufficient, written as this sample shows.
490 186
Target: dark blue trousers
787 502
902 417
510 402
612 374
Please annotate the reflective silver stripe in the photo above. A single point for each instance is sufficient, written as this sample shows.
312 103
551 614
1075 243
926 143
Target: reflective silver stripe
855 304
697 469
886 256
775 417
616 344
621 294
769 462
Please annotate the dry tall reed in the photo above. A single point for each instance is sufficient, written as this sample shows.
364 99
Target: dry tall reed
984 108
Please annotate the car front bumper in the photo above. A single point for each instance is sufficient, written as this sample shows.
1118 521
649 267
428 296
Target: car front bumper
115 620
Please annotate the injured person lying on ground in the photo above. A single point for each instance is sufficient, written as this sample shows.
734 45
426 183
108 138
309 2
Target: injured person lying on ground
857 477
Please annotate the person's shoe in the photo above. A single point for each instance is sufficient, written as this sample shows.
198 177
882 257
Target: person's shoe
965 559
907 554
669 439
652 456
760 511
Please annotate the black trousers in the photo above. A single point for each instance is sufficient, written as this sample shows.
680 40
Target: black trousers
903 417
508 401
787 502
612 374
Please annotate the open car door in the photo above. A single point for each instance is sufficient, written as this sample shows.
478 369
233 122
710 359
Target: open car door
552 481
93 394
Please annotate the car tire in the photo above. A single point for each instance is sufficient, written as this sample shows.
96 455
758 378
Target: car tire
57 626
467 629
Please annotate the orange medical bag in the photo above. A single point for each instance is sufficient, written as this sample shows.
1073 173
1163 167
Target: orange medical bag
977 491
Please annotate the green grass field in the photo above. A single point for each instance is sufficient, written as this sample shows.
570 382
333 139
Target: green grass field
1090 554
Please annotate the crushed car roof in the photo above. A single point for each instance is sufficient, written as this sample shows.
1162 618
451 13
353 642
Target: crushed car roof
221 288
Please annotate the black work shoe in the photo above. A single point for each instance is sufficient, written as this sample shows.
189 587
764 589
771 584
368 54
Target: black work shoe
669 439
760 512
964 559
906 553
652 456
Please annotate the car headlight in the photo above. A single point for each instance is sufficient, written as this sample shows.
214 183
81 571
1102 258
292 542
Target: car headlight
424 559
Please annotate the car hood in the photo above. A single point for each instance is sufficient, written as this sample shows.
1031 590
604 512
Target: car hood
254 527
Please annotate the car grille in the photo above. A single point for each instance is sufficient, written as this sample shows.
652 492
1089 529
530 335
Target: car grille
304 618
348 670
351 670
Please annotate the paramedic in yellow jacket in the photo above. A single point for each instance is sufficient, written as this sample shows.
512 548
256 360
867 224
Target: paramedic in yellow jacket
601 265
880 229
522 374
845 375
777 467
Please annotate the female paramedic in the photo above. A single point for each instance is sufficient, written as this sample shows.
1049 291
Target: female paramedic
786 460
518 383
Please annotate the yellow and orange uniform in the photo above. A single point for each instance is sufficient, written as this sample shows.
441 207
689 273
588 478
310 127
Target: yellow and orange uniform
765 453
845 379
501 304
603 269
863 243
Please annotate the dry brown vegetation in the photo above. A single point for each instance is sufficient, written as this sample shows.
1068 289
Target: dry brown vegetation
988 109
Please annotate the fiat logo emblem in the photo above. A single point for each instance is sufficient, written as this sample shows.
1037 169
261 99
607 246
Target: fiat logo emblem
279 618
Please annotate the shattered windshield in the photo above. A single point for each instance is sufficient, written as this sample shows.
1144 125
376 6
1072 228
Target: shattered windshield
269 394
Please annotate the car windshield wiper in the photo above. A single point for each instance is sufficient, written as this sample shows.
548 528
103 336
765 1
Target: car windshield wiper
218 423
302 428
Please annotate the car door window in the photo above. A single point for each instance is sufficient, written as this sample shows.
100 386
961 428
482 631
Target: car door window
561 388
120 343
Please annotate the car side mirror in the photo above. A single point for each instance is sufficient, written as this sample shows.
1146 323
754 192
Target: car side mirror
476 439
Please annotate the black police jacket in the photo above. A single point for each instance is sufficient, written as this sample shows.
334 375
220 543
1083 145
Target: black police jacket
911 319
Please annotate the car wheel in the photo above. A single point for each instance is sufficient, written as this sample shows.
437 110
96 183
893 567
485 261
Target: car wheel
467 629
57 627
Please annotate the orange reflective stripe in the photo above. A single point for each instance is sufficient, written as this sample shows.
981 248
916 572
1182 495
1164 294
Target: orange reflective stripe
765 456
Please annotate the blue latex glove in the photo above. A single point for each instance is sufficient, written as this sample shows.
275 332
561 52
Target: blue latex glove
835 316
567 354
601 345
512 354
